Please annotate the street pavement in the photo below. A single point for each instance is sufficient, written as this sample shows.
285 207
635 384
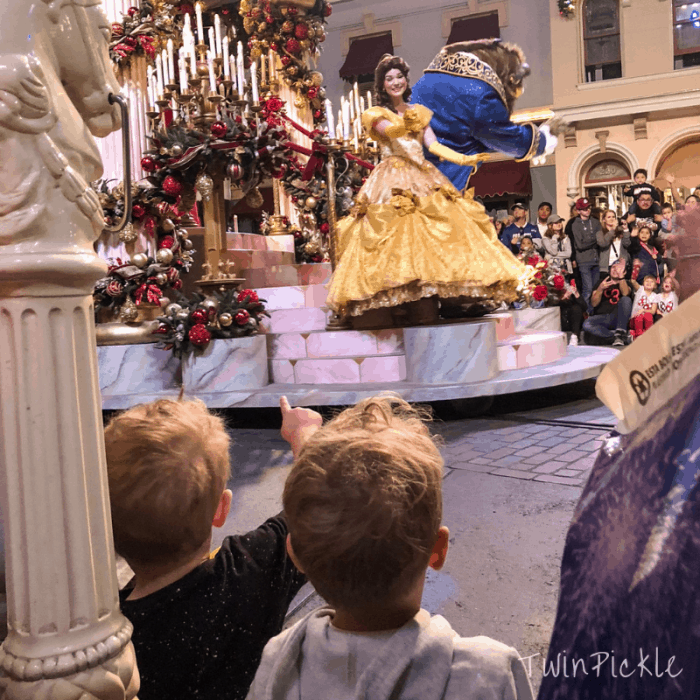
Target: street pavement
512 480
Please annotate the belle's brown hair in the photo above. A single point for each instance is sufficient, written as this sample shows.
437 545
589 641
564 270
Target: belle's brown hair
386 64
364 503
167 466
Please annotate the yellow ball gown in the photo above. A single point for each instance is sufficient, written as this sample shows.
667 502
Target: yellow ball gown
412 235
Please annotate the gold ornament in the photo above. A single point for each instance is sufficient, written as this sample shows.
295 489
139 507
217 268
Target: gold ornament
255 53
311 33
292 70
187 244
128 312
311 203
173 309
127 234
299 102
139 259
161 278
205 186
225 320
164 256
167 225
305 44
262 27
311 248
321 35
254 199
176 150
210 305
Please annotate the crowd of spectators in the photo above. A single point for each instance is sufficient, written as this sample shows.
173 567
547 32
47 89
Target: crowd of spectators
618 270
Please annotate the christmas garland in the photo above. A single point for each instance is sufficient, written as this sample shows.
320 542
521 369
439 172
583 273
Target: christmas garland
191 324
145 30
566 8
142 278
291 35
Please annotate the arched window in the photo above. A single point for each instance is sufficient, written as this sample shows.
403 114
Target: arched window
686 33
601 39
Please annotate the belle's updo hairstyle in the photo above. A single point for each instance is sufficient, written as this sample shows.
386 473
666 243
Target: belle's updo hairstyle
387 63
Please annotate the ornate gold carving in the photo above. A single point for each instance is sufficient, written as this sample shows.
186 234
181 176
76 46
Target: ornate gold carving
467 65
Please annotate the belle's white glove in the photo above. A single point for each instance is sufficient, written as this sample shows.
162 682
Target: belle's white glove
551 141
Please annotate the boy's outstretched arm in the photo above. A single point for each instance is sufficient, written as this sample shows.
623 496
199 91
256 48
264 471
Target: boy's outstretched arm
298 425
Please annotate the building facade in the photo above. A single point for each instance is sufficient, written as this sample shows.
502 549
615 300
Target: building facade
624 74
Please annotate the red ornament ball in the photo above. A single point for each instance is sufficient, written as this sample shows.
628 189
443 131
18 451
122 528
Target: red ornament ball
317 258
172 186
270 19
274 46
114 288
218 130
298 236
301 31
325 228
199 316
312 93
328 10
318 114
132 11
285 60
137 211
247 295
166 242
242 317
177 284
148 164
199 335
293 46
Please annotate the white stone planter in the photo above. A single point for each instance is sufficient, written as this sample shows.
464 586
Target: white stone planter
235 364
451 354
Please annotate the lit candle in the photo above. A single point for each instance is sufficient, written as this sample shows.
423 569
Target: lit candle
273 64
240 69
159 74
182 65
150 91
369 99
339 126
232 61
212 76
263 72
338 129
235 223
356 94
362 105
227 67
193 61
217 31
200 26
171 62
329 118
164 62
355 140
351 108
254 81
346 120
212 43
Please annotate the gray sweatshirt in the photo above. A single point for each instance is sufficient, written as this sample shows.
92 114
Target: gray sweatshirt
585 240
423 660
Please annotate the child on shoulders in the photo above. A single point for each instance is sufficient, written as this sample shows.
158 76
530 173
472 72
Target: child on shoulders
201 619
364 502
644 306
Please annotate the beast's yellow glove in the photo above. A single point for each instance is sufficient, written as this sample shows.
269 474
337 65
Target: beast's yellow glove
446 153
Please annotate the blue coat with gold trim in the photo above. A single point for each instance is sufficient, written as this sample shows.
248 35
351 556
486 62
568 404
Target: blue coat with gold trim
470 114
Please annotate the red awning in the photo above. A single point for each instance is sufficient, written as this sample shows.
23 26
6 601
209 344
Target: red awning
475 28
498 179
364 54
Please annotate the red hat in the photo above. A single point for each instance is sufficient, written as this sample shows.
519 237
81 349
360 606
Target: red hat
582 203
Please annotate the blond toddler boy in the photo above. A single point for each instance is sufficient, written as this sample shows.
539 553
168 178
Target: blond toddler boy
200 619
364 505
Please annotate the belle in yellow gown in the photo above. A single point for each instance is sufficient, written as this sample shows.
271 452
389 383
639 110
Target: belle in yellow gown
412 235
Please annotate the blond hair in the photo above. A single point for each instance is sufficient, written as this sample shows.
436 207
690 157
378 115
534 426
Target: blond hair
167 465
364 502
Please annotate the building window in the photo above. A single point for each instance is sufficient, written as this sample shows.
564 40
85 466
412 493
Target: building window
604 184
686 34
474 28
601 39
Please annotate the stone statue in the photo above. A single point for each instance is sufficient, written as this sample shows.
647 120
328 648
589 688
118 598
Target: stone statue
66 637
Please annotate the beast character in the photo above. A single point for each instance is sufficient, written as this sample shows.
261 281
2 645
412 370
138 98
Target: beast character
471 88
